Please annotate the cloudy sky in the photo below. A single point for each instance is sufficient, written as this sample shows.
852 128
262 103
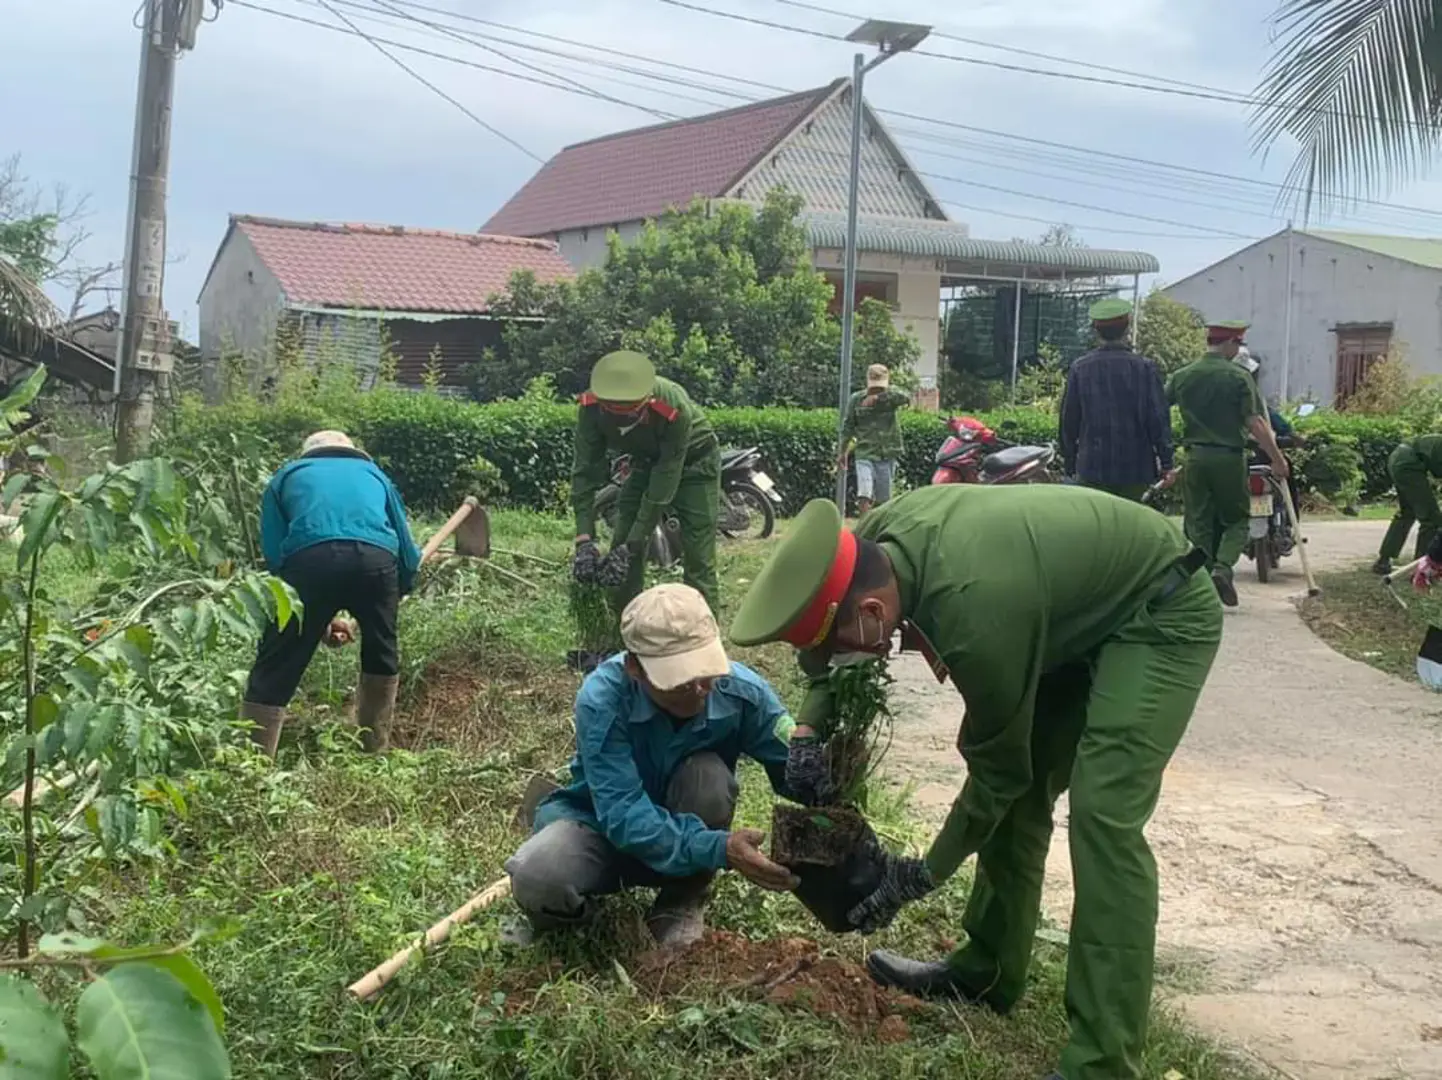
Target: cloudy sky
277 117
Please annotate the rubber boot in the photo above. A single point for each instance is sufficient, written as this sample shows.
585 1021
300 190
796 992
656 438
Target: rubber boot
678 917
375 702
268 720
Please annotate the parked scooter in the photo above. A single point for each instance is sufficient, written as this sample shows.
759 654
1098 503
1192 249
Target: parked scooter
748 508
975 454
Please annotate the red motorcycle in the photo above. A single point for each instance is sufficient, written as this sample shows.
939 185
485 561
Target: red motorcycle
975 454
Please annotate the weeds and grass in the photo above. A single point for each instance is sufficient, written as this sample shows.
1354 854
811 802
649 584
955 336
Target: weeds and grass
332 860
1358 617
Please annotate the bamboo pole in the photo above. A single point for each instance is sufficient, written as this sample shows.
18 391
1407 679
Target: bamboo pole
44 787
371 982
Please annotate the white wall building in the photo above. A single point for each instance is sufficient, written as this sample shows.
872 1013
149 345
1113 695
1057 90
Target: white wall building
907 248
1325 306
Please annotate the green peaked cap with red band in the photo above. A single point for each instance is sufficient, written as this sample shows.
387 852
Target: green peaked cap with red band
796 596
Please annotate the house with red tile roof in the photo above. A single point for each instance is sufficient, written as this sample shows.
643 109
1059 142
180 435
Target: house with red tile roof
344 289
908 249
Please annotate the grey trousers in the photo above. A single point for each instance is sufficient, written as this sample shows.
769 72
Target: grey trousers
557 873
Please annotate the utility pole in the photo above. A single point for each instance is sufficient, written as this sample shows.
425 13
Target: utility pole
144 354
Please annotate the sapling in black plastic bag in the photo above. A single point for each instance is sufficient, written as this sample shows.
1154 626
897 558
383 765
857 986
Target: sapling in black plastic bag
831 848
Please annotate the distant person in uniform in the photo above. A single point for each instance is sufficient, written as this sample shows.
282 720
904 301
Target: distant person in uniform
872 434
675 465
1116 426
1220 406
1413 467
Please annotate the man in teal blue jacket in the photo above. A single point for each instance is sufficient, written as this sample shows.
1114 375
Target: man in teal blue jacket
659 730
333 525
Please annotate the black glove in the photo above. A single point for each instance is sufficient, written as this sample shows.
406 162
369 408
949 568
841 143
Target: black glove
611 573
904 880
808 779
586 562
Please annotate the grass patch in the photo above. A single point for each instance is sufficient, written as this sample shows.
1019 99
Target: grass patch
330 860
1359 618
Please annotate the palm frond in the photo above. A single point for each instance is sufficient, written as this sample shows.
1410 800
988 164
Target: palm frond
1355 83
26 313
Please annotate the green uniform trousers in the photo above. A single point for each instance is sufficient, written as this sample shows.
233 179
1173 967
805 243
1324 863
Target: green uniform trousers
697 507
1416 502
1130 492
1106 728
1217 504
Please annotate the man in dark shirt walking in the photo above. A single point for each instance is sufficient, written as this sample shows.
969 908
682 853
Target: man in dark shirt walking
1116 431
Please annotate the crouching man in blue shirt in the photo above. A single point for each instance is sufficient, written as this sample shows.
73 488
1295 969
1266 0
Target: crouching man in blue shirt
334 527
659 729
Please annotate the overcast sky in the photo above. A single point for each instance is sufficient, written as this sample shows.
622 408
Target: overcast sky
279 118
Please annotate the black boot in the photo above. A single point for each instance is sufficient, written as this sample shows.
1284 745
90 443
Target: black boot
1225 589
927 978
1382 567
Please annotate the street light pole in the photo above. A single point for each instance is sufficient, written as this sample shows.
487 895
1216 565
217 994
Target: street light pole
891 38
848 276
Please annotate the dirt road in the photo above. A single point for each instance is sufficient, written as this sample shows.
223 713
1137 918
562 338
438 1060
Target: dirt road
1299 839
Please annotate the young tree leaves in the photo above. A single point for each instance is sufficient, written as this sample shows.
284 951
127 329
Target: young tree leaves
33 1043
139 1022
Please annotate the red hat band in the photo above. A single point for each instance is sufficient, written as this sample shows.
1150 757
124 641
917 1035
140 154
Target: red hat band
1216 335
814 622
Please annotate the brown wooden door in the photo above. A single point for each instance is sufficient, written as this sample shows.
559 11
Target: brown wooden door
1358 348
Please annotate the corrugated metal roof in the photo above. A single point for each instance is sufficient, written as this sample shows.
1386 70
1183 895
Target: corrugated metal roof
1421 250
950 240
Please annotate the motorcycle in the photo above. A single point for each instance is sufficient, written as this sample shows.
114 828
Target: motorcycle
748 506
1270 536
975 454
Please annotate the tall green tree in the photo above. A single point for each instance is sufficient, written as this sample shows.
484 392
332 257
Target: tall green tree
1356 84
722 298
1170 332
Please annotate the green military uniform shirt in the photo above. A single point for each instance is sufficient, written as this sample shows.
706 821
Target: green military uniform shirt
1429 449
1002 597
671 433
874 426
1216 398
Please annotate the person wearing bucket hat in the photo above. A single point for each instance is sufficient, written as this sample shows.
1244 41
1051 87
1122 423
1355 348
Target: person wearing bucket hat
1220 406
332 525
1116 426
675 464
1079 635
872 432
659 730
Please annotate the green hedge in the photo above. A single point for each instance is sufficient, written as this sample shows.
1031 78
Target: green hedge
430 444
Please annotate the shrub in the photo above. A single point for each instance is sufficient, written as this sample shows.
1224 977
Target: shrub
431 445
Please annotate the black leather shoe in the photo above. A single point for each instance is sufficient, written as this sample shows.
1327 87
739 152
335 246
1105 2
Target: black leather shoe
926 978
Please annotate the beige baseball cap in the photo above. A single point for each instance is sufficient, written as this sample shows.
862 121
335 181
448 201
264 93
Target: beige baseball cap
327 440
673 635
879 376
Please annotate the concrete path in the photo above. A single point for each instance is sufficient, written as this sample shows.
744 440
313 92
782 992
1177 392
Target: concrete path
1299 839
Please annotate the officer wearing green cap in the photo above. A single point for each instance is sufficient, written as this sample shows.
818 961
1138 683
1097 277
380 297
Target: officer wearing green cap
1116 429
1079 635
675 463
1220 406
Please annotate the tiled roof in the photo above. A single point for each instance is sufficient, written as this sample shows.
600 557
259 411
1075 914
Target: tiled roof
394 268
642 173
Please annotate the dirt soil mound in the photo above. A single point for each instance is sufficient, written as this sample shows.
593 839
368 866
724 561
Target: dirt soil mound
785 971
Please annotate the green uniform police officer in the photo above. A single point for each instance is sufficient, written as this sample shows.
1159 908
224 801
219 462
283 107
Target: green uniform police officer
675 464
1079 634
1220 406
1412 467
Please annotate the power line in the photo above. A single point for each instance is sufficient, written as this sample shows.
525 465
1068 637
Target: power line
925 119
979 43
380 48
1087 152
1078 227
472 39
1188 90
